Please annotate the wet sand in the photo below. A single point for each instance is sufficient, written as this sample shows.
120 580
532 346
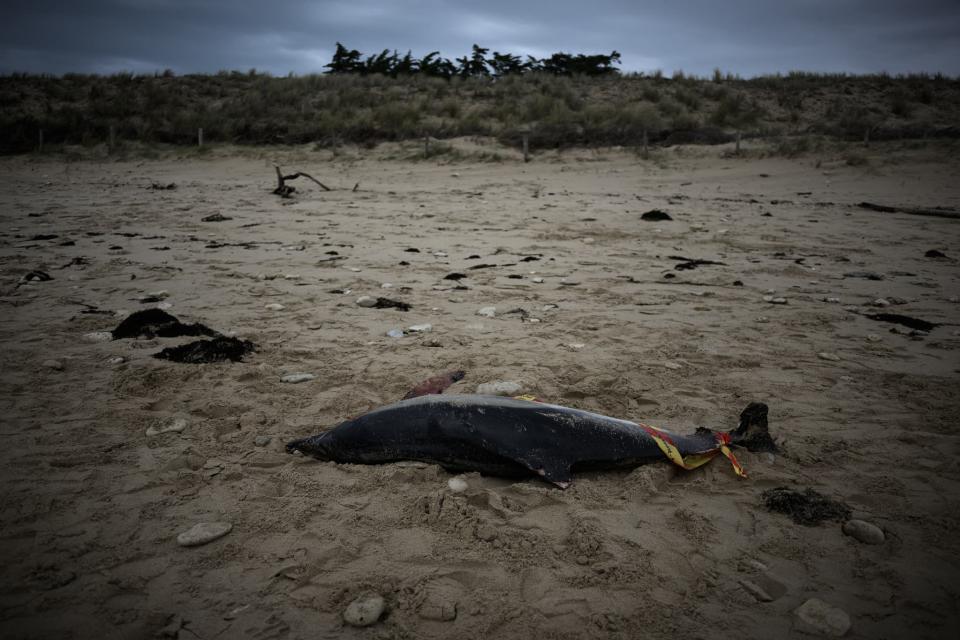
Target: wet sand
92 506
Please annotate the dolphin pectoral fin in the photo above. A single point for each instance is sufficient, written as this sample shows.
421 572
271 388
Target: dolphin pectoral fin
554 471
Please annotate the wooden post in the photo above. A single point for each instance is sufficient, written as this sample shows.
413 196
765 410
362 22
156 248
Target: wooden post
200 137
112 142
40 147
526 147
738 142
426 147
646 150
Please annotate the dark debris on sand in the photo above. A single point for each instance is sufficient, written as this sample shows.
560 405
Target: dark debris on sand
387 303
219 349
152 323
808 507
655 215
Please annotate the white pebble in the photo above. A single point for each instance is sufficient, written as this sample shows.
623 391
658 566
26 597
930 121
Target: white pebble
823 355
487 312
364 611
203 533
457 485
176 426
822 618
395 333
98 336
864 531
273 306
420 328
499 388
296 378
366 301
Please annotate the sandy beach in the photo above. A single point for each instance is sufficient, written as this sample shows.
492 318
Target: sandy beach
591 312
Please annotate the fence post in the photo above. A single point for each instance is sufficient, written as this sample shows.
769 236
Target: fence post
526 147
200 137
40 148
426 147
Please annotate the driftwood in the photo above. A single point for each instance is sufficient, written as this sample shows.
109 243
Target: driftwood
936 212
284 190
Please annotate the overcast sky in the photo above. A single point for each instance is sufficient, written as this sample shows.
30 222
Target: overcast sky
280 36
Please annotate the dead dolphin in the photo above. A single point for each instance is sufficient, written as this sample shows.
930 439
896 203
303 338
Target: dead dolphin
514 438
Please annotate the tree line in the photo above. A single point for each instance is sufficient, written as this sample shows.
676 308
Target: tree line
479 63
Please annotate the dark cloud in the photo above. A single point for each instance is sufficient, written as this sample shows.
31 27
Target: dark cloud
742 36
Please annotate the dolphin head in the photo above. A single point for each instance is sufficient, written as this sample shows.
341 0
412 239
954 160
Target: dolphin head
315 446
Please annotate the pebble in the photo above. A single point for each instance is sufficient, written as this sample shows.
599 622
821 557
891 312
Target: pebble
487 312
499 388
457 485
386 285
756 591
880 302
262 441
549 307
823 619
395 333
203 533
291 276
832 300
420 328
164 306
273 306
98 336
864 531
773 300
575 346
296 378
823 355
365 610
117 360
176 426
366 301
672 365
872 337
52 364
538 279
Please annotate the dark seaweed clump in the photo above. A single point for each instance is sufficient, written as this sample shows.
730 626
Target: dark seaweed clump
219 349
152 323
808 508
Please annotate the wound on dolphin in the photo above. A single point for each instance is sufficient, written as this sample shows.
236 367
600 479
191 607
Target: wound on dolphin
516 438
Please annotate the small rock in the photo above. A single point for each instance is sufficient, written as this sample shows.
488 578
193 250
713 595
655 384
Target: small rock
773 300
296 378
575 346
117 360
262 441
499 388
395 333
880 302
52 364
164 306
820 618
420 328
487 312
538 280
756 591
672 365
176 426
864 531
98 336
366 301
832 300
872 337
203 533
365 610
273 306
823 355
457 484
291 276
386 285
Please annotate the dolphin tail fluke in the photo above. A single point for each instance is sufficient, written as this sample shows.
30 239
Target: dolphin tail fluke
753 432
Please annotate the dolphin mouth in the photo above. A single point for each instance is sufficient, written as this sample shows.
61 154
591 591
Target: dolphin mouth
312 446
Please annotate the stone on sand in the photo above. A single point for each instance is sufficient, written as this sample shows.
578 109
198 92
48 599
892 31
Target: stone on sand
296 378
499 388
203 533
366 301
817 617
864 531
98 336
365 610
457 484
273 306
825 355
52 364
487 312
262 441
174 426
